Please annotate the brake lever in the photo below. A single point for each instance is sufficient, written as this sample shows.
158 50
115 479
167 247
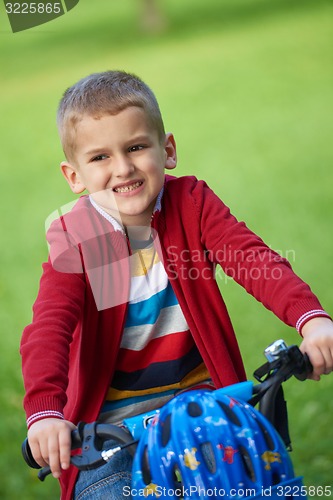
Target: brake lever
93 437
286 360
283 362
305 368
91 445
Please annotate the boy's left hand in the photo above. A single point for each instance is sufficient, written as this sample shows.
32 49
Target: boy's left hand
318 345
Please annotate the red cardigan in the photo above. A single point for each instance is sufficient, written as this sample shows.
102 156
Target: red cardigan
69 350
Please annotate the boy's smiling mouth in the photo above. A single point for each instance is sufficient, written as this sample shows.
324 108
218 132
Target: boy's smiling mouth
128 187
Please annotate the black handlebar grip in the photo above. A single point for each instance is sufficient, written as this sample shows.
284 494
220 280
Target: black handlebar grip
27 455
306 369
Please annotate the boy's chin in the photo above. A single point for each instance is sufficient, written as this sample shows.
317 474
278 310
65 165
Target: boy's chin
137 215
106 200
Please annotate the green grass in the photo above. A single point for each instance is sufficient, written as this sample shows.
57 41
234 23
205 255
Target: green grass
247 89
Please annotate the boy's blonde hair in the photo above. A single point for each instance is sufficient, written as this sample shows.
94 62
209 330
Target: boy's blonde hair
101 94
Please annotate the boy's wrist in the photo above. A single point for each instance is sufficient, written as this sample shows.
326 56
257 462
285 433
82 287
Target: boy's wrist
43 415
310 316
316 324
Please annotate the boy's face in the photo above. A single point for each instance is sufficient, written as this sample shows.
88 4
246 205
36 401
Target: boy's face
120 161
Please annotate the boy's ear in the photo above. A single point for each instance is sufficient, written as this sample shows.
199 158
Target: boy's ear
170 151
72 176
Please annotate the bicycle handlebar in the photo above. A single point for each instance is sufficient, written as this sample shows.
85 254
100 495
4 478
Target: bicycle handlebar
283 363
90 438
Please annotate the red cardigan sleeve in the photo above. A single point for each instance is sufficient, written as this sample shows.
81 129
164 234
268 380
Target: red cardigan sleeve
45 343
251 263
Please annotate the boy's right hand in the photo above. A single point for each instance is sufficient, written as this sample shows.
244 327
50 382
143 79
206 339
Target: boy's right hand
50 443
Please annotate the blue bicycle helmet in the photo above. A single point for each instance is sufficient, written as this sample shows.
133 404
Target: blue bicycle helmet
203 443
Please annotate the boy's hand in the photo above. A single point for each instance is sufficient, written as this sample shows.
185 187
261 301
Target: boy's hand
318 345
50 443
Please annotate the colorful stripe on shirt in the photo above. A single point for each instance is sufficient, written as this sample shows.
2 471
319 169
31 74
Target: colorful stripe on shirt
157 356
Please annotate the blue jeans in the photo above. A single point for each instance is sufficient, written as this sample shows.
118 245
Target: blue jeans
112 481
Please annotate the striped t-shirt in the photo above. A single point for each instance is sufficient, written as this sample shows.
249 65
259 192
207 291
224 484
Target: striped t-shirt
157 356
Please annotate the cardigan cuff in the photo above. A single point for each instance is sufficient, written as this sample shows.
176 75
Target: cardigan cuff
43 407
43 414
315 313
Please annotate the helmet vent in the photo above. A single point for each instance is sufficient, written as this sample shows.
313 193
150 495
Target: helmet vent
247 462
194 409
146 476
209 456
177 477
276 479
230 414
166 430
267 436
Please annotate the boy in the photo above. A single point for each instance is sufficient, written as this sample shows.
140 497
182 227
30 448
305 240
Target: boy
128 311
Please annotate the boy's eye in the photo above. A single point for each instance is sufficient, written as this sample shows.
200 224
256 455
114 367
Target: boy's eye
137 147
99 157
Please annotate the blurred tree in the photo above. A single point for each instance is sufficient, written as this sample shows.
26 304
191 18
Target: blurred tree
152 18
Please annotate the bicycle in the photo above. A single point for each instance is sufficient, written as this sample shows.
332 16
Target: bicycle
139 432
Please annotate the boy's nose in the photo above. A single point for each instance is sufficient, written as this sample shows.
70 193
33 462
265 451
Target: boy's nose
122 166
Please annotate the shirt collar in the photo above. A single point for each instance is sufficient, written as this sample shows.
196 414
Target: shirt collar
117 226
